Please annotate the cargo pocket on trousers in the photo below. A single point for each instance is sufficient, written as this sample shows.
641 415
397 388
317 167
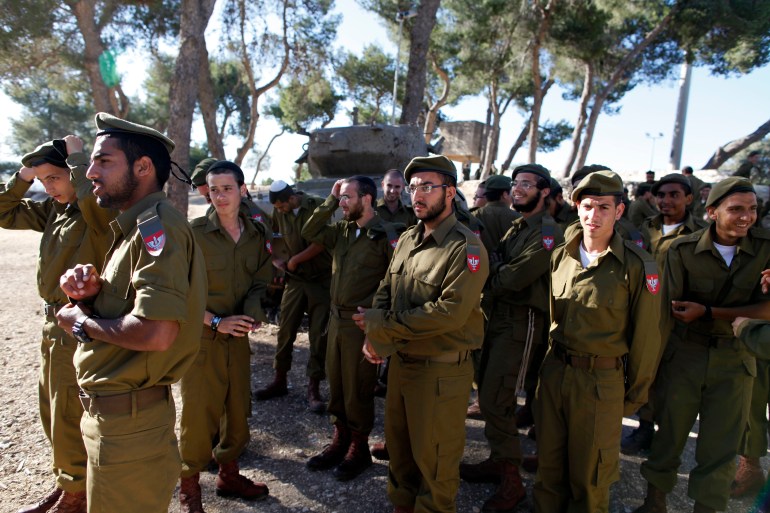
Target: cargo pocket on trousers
134 447
608 467
449 453
506 394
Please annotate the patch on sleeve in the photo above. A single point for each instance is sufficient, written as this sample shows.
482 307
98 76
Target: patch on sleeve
547 232
269 247
258 217
153 235
651 277
474 257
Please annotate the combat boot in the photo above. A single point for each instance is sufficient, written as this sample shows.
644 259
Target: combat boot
335 452
45 503
510 492
314 401
655 502
639 440
749 479
70 503
356 460
190 495
700 508
230 483
487 471
275 389
380 451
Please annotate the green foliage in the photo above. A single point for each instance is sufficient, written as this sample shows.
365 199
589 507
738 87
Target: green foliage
153 108
368 82
551 135
305 102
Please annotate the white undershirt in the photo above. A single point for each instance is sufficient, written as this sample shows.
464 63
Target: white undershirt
668 228
358 232
586 257
727 252
296 211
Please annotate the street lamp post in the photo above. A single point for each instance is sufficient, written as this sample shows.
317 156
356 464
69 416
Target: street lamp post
654 137
400 17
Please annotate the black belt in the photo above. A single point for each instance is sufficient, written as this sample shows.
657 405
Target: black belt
711 341
586 362
346 314
50 309
124 403
456 358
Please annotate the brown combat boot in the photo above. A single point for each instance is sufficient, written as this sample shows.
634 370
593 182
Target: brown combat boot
314 401
275 389
510 492
335 452
487 471
749 479
230 483
70 503
356 460
655 502
45 503
190 495
700 508
380 451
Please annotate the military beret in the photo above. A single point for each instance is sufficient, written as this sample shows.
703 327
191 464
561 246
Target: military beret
556 187
535 169
199 173
599 183
727 187
51 152
278 190
650 172
643 188
109 124
585 171
436 164
498 183
673 178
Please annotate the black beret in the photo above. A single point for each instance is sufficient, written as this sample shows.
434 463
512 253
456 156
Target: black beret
51 152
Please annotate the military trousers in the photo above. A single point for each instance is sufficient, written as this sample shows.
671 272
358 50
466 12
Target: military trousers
351 378
578 421
504 345
715 384
216 396
755 437
60 408
133 459
300 297
425 431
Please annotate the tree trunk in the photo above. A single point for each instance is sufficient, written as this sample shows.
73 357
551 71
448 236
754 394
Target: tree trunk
208 105
430 118
728 150
537 92
416 75
264 154
516 146
184 90
582 116
494 129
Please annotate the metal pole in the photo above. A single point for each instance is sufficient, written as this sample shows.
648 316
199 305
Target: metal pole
652 152
677 142
395 78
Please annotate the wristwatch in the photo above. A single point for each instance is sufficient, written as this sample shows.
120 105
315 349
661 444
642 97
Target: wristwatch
79 332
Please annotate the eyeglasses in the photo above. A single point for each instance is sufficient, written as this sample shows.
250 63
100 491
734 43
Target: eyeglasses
347 197
524 185
425 189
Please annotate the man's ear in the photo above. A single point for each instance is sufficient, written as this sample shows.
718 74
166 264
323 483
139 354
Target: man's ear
143 166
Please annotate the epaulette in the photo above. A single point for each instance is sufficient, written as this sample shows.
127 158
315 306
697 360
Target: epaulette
759 233
472 247
651 276
633 232
151 230
548 232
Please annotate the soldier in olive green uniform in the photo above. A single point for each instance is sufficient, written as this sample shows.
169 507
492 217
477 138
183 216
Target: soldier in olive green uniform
308 277
138 324
558 208
217 388
389 207
750 167
497 215
361 246
642 207
519 289
711 278
74 228
426 314
602 353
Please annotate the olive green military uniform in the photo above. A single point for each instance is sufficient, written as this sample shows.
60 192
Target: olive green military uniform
748 170
496 217
403 214
564 215
218 385
639 210
71 234
471 222
519 288
704 370
600 315
307 290
427 314
133 460
359 264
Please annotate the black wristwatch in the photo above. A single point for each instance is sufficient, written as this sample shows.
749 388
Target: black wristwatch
215 322
79 332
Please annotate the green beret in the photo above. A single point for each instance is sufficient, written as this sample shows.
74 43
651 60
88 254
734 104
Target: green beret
556 187
498 183
436 164
52 152
585 171
535 169
109 124
673 178
727 187
199 173
599 183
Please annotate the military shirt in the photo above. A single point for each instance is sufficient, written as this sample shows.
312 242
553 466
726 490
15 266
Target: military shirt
290 227
170 286
496 217
429 301
403 213
237 272
639 210
606 309
754 334
523 277
564 215
72 234
359 261
657 243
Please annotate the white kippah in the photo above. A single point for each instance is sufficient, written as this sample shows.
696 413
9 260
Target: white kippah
278 186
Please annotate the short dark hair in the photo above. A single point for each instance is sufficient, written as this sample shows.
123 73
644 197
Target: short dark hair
493 195
687 170
223 167
448 180
136 146
366 186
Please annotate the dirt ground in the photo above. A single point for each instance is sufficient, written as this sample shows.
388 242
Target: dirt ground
283 433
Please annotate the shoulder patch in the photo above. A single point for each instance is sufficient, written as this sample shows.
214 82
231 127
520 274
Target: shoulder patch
651 276
472 247
151 230
548 230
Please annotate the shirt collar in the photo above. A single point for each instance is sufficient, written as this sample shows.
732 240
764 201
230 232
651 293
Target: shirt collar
126 220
